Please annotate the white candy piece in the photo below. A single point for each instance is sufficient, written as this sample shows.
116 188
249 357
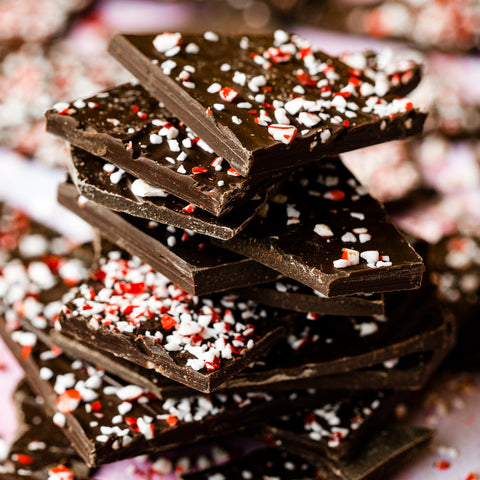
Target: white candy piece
166 41
323 230
142 189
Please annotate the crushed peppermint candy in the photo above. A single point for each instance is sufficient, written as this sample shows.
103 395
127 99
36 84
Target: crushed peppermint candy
128 296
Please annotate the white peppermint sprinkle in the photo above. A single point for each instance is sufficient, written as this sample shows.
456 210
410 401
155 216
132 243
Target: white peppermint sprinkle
156 139
359 216
79 104
143 189
370 256
325 135
61 106
349 237
236 120
192 48
59 419
219 106
294 106
225 67
244 105
211 37
308 119
220 183
323 230
239 78
341 263
281 116
166 41
129 392
214 88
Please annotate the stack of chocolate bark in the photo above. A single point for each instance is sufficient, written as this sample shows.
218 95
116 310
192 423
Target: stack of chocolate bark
249 274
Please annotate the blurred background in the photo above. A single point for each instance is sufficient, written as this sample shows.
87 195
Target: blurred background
55 50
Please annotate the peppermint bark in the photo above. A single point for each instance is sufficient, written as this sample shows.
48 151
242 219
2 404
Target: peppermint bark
266 102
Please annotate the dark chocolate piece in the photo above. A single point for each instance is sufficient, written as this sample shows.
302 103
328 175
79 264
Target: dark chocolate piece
160 151
189 260
40 449
266 102
322 229
406 373
132 311
335 430
391 447
291 295
96 184
108 420
316 352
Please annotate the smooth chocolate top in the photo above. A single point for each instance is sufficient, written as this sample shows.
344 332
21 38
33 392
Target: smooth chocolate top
266 102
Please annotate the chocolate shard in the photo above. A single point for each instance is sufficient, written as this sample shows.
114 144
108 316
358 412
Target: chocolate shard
40 449
132 311
291 295
108 420
321 352
322 229
390 448
161 152
410 372
96 184
336 429
266 102
188 259
105 419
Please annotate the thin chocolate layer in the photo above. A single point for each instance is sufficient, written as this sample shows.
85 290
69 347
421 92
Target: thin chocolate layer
322 229
160 151
40 449
237 92
292 295
391 447
132 311
95 183
406 373
189 260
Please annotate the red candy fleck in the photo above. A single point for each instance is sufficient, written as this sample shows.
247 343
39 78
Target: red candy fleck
96 406
472 476
409 106
305 51
171 420
336 195
135 288
87 307
168 322
199 170
213 365
189 208
135 108
346 123
342 94
142 115
228 94
60 473
24 459
442 465
233 172
98 275
305 80
26 351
